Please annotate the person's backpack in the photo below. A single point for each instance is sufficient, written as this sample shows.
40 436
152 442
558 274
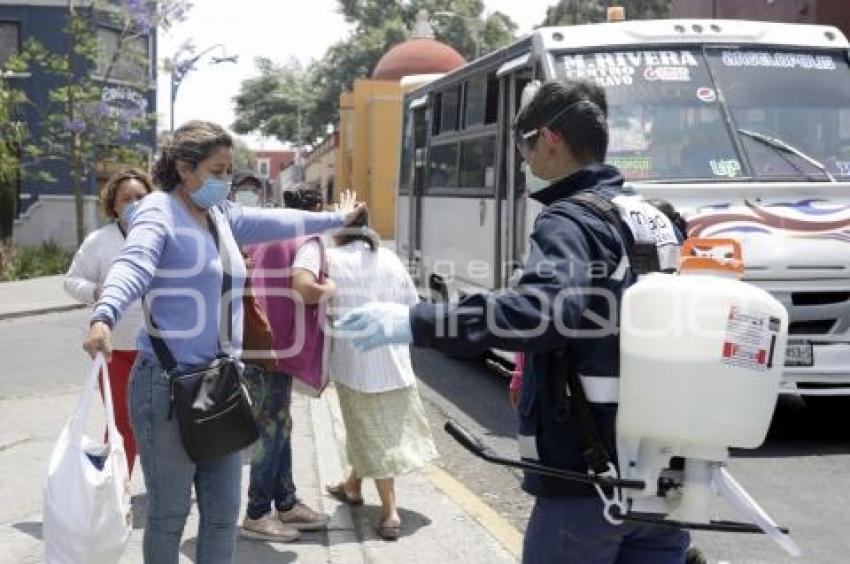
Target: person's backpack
297 329
648 232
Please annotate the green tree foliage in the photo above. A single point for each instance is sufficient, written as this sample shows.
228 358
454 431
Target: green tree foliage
88 120
12 133
243 156
277 102
377 25
569 12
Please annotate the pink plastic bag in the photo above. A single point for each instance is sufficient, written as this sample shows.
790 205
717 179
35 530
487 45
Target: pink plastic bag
297 328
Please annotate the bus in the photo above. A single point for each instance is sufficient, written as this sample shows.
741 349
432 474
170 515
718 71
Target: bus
743 126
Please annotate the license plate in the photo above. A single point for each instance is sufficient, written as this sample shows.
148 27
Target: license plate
799 353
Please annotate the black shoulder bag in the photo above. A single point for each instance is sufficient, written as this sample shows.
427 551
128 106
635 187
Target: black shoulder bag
211 403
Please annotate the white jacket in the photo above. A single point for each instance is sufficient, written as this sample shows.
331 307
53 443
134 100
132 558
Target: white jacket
89 269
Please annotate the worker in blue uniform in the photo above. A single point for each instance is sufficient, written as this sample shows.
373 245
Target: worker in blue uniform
564 305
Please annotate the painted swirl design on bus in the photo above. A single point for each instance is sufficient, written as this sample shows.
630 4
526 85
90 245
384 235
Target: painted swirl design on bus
810 219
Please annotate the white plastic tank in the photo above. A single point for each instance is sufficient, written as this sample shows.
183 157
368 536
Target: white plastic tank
701 354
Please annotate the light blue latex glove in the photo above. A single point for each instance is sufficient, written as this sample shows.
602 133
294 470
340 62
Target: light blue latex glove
375 324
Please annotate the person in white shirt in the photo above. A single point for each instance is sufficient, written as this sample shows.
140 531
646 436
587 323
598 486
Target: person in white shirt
387 434
118 199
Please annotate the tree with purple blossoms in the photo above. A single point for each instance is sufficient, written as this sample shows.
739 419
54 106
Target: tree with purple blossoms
96 115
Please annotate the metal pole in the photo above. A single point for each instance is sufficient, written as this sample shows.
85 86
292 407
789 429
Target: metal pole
188 65
173 96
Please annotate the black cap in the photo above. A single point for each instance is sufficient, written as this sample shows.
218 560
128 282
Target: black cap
243 175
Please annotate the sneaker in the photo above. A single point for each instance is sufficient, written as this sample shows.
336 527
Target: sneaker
268 528
303 518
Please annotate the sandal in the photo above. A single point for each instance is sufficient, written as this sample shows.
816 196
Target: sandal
337 491
388 532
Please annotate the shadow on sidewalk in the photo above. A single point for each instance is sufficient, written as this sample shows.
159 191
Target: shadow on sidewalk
31 528
248 550
367 517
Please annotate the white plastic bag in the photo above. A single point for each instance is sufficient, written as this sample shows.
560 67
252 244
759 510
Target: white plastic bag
87 516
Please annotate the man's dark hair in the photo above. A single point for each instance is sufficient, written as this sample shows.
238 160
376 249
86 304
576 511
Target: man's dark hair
583 126
305 198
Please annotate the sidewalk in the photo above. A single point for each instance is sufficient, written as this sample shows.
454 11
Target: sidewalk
443 521
35 296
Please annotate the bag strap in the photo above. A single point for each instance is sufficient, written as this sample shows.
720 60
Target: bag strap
225 323
570 396
642 255
163 353
593 452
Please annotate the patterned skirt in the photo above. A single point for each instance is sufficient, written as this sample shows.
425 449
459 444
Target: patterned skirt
387 434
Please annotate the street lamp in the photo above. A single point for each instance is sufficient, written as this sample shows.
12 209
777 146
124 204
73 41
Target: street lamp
179 70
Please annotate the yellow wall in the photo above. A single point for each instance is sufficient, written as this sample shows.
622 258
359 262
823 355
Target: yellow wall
369 147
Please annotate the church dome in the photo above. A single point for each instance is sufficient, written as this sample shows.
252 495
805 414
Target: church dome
420 55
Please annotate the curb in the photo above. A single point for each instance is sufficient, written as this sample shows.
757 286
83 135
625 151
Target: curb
41 311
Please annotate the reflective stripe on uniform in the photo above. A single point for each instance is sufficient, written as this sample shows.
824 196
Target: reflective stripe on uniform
601 389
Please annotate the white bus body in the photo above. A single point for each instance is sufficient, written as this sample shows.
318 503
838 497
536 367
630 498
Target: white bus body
679 92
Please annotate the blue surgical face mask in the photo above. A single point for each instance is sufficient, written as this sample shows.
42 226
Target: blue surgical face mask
129 211
212 192
534 183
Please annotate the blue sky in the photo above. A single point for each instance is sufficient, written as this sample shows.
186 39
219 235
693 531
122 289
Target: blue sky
268 28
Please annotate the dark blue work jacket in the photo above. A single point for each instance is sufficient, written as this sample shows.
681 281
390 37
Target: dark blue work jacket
565 298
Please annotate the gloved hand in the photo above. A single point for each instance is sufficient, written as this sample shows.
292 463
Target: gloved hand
375 324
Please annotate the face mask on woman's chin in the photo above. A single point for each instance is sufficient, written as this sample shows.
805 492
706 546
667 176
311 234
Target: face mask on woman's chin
212 192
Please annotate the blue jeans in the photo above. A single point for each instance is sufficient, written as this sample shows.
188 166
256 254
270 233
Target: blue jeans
574 531
170 474
271 460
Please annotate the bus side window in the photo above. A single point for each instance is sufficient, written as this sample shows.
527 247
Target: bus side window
442 166
436 108
449 110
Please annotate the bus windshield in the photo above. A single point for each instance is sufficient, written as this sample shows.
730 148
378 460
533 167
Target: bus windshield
667 122
800 98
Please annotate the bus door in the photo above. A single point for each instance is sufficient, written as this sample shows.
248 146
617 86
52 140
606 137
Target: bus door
513 77
419 110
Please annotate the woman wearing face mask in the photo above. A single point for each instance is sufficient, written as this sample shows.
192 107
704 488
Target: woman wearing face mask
172 258
118 200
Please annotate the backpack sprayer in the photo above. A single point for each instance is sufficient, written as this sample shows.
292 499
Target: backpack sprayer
701 358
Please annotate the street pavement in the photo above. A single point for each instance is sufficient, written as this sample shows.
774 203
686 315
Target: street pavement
41 378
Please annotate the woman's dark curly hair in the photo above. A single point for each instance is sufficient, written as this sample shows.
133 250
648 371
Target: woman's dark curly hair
193 142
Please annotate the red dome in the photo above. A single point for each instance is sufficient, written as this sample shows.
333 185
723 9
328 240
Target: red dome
417 56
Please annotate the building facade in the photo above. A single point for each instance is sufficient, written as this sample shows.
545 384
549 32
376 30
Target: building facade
320 167
270 167
45 210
